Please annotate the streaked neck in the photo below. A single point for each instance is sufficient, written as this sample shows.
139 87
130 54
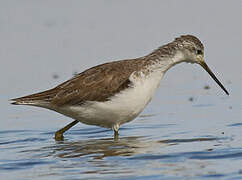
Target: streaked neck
163 61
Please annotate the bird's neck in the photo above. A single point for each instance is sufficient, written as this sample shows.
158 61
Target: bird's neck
162 62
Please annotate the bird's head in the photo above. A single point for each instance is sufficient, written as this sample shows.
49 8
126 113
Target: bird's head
188 48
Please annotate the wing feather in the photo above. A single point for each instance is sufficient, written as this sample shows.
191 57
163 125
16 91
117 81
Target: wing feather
95 84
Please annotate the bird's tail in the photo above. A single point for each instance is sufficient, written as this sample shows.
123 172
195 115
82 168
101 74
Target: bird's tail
39 99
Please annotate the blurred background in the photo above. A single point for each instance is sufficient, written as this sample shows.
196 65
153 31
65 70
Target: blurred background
43 43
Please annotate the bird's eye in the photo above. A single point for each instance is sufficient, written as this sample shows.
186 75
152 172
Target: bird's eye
199 52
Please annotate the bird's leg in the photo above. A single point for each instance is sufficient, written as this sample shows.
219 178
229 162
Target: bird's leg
115 135
59 134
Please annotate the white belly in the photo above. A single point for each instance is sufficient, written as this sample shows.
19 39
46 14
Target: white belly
121 108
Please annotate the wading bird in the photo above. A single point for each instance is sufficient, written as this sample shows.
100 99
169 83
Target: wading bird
114 93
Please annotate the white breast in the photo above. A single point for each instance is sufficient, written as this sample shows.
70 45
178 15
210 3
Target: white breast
121 108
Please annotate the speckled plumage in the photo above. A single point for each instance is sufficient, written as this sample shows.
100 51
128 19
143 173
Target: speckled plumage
103 81
114 93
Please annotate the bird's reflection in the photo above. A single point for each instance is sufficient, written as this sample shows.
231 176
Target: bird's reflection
107 155
109 147
98 148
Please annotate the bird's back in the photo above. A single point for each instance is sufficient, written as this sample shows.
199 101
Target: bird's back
98 83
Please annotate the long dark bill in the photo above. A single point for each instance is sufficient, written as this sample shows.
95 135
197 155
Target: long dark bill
205 66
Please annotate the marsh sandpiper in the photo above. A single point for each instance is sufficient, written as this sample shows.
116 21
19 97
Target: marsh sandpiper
114 93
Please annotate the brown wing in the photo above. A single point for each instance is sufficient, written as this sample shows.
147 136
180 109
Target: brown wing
96 84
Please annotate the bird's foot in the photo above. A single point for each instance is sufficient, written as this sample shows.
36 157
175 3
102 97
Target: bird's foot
115 135
59 136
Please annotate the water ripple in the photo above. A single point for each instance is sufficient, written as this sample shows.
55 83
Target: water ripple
23 141
21 164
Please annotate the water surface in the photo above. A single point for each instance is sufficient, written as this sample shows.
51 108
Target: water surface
190 130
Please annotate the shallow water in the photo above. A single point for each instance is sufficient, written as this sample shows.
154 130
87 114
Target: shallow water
152 146
190 130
